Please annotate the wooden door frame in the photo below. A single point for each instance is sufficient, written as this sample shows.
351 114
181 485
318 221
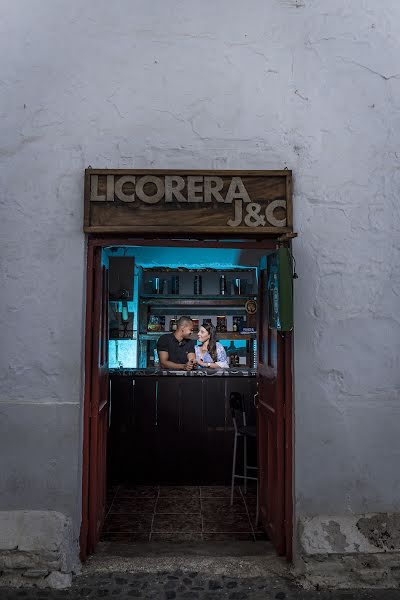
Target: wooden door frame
96 241
289 462
83 537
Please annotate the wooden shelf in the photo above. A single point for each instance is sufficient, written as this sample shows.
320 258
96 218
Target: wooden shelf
200 296
129 334
198 270
228 335
208 304
173 300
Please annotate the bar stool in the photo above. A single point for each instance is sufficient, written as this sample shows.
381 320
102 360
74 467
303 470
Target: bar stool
245 431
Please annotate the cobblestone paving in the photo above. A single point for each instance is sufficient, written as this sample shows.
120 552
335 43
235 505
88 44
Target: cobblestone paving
181 585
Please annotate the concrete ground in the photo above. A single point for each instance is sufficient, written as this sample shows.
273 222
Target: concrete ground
182 571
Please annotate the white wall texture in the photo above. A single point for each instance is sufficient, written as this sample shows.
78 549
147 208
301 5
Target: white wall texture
308 84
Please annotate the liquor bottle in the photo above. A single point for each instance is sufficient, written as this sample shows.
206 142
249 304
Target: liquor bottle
221 324
231 354
234 360
197 285
175 284
222 285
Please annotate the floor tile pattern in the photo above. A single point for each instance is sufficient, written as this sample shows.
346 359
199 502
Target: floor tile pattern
180 514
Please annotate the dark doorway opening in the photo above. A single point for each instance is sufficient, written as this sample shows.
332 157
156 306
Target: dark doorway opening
273 414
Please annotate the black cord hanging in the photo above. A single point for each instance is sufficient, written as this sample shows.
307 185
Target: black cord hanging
295 276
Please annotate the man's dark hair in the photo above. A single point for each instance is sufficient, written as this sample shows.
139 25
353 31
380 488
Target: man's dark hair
183 321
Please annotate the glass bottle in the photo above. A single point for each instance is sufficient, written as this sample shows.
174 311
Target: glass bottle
197 285
231 353
222 285
175 284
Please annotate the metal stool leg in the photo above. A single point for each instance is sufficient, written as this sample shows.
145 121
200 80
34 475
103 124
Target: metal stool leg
257 506
245 463
233 466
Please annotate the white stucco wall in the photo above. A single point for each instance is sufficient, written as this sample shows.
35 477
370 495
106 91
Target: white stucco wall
307 84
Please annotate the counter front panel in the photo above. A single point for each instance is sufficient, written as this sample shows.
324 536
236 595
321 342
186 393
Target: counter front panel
168 428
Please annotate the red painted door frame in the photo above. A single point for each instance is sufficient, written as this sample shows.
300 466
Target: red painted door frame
289 424
96 401
87 536
274 425
83 538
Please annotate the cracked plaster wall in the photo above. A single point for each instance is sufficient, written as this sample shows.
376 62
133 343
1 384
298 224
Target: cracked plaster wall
311 85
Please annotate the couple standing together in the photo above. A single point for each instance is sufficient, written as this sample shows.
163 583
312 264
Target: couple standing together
177 351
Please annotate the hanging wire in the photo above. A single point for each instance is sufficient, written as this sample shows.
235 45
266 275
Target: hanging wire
292 258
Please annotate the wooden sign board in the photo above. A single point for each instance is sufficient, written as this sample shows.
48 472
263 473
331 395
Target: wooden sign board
172 202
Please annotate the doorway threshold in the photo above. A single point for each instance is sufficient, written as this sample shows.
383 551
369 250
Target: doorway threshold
234 559
186 549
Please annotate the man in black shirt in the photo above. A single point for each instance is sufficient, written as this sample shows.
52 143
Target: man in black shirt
176 350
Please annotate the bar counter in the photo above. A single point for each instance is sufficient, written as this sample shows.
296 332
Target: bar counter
203 372
175 427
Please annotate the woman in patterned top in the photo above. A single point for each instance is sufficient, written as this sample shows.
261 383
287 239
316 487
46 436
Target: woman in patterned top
210 353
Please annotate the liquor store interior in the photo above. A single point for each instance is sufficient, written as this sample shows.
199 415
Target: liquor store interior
182 447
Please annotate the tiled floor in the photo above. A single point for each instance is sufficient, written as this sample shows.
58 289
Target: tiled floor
180 514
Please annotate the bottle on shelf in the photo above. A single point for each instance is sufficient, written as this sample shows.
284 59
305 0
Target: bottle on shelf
237 286
156 285
231 351
233 360
222 285
175 284
154 323
198 285
221 324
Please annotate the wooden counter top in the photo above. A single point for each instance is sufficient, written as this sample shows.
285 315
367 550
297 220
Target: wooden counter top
153 372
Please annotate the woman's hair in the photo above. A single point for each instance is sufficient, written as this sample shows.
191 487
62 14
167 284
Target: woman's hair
212 342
